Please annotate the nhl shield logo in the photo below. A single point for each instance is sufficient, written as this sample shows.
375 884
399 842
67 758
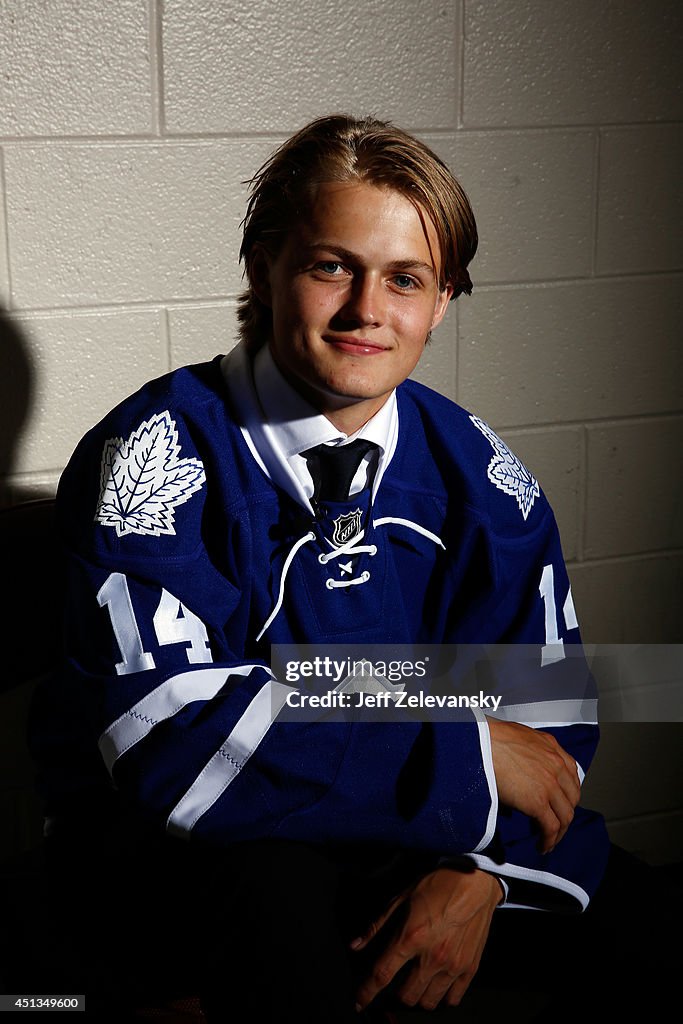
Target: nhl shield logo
346 527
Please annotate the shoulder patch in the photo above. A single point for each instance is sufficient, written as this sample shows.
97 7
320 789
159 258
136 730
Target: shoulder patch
507 472
142 480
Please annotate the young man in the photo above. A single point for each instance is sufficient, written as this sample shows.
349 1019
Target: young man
331 866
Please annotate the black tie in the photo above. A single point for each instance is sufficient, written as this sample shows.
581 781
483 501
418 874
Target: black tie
333 467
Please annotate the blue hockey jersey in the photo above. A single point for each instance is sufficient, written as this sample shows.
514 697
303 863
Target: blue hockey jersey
189 555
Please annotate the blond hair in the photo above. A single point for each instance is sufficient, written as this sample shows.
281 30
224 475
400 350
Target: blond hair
341 148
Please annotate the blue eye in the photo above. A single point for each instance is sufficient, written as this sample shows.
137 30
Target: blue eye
404 281
329 266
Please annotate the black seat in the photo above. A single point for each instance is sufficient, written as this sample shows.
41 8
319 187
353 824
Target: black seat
31 569
31 941
31 631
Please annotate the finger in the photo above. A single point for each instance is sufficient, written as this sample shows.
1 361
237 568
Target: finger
427 972
550 826
569 778
457 990
555 820
385 970
362 940
574 781
564 812
554 811
430 995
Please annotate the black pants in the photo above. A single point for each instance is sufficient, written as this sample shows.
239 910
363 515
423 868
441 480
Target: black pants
262 932
616 961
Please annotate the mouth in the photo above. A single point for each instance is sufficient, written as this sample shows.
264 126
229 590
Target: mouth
354 346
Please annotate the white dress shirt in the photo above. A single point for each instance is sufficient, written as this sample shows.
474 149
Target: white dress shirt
295 426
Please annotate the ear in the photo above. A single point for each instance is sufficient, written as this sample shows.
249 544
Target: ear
259 274
442 300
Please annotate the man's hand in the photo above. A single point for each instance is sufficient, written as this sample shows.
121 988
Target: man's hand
444 930
536 776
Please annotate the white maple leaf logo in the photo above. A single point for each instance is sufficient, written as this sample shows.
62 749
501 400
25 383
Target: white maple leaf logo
507 472
142 479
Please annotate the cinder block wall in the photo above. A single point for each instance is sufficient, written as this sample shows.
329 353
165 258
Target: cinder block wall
128 128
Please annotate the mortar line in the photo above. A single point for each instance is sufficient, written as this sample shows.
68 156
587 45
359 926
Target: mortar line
582 510
156 54
596 201
5 222
460 116
165 331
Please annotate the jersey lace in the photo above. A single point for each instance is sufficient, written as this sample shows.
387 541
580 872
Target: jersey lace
350 548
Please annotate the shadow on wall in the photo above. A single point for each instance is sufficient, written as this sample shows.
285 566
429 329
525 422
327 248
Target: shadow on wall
16 396
20 808
16 403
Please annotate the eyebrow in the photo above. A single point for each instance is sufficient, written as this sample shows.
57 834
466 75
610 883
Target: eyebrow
351 257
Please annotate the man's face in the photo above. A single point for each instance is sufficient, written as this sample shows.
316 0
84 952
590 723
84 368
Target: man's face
353 293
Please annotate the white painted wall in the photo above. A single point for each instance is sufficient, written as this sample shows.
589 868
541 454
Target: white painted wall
128 128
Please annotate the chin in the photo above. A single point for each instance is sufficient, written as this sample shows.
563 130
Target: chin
355 388
351 395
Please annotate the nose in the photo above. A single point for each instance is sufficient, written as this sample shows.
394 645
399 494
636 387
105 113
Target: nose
366 302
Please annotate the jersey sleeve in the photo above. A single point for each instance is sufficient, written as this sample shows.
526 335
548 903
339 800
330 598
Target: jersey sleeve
184 724
557 695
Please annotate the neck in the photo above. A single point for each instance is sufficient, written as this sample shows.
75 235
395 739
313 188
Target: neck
350 418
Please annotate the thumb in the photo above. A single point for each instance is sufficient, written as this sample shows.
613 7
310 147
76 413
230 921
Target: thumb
377 925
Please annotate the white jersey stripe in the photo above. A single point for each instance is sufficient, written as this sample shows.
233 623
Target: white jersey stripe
164 702
549 714
487 761
531 875
228 761
411 526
